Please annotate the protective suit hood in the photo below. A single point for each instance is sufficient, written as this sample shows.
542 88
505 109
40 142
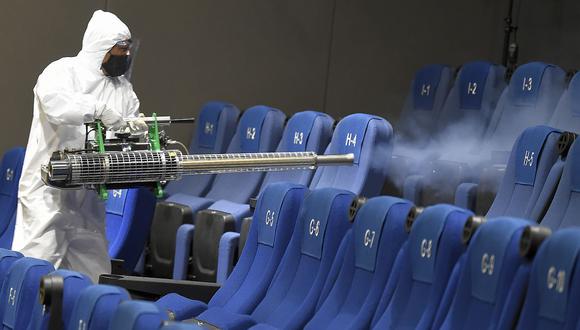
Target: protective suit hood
103 32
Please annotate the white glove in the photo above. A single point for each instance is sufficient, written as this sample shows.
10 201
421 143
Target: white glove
137 126
110 118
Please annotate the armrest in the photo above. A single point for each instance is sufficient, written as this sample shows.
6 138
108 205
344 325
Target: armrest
227 252
183 240
152 288
466 195
412 188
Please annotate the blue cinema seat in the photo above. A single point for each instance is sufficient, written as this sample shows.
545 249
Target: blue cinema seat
10 171
20 291
553 295
411 298
443 164
487 285
566 116
273 222
527 175
73 284
369 138
530 99
528 180
137 315
305 131
7 258
362 265
565 206
214 129
292 296
128 222
95 307
469 106
423 105
259 130
417 123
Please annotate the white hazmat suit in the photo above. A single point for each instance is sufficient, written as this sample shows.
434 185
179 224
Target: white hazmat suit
67 227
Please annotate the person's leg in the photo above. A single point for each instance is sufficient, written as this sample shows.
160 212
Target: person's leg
87 253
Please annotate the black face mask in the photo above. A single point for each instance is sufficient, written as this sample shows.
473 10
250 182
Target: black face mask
117 65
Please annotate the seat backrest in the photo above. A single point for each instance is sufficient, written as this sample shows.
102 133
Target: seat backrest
128 222
487 272
530 99
270 232
567 114
428 257
362 265
10 171
96 306
369 138
294 291
564 208
7 258
532 157
73 284
469 106
428 91
305 131
259 130
553 295
214 129
137 315
20 291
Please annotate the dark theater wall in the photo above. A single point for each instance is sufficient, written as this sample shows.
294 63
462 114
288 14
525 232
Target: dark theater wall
245 52
33 34
339 56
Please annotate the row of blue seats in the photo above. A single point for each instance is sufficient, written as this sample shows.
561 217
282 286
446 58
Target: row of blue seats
306 266
460 124
172 228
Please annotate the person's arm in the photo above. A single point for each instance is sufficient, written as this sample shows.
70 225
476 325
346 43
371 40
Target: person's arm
62 104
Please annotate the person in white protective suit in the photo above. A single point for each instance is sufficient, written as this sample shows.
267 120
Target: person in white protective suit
67 227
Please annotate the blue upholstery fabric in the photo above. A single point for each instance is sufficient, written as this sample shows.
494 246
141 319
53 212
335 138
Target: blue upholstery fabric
429 255
183 240
565 206
20 290
128 222
530 99
305 131
553 295
96 306
471 102
228 247
279 204
262 126
259 130
362 265
294 291
181 326
370 139
425 100
73 283
7 258
213 132
10 170
486 278
531 159
137 315
567 114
